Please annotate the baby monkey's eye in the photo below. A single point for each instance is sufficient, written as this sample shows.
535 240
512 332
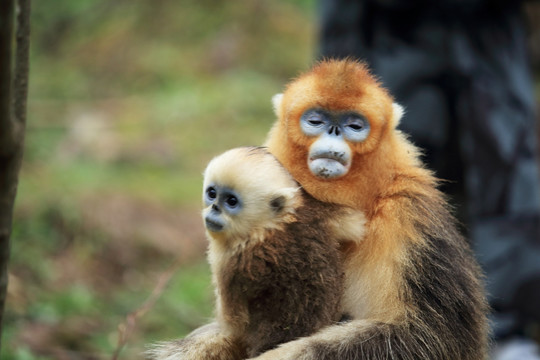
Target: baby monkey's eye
232 201
211 193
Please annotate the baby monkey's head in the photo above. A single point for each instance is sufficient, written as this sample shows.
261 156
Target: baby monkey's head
245 191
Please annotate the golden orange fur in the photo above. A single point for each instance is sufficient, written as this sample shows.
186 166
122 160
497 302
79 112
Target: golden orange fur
344 86
380 169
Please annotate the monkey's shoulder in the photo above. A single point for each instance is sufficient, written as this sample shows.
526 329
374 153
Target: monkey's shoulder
329 222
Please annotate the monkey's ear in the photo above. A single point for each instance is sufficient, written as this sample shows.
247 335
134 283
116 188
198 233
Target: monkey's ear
397 113
284 200
276 103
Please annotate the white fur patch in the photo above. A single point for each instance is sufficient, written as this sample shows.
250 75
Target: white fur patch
397 114
349 226
276 103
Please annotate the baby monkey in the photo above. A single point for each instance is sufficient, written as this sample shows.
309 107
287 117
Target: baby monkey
275 262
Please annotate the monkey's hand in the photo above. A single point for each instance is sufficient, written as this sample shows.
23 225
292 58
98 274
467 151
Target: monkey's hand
332 342
348 225
204 343
299 349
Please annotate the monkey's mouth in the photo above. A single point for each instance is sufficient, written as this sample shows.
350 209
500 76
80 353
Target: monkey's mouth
329 165
212 225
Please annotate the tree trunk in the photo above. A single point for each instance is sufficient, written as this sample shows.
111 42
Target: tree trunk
13 94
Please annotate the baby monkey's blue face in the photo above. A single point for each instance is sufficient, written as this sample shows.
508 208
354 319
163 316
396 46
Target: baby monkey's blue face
245 192
221 201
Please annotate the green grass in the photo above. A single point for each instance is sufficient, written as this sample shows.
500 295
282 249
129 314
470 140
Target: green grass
128 102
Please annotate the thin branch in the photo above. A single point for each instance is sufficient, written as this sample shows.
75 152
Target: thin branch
126 328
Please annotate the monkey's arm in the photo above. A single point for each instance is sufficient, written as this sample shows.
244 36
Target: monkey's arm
362 339
206 342
344 341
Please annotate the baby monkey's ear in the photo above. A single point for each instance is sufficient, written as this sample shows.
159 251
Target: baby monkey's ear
285 200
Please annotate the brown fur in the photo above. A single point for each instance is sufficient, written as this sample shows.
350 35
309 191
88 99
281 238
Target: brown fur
288 285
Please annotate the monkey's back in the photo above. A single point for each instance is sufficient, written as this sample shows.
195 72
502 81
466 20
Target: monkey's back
291 283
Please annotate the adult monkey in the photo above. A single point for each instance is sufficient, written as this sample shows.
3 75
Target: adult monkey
412 287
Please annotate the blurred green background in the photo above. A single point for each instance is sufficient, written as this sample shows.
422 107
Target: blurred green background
128 102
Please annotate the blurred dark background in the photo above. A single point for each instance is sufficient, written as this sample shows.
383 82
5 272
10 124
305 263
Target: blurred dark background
128 102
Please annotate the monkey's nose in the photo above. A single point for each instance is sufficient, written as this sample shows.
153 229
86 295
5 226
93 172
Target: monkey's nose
334 129
215 207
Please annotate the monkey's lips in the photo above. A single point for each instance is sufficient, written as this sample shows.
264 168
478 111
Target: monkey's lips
213 225
329 165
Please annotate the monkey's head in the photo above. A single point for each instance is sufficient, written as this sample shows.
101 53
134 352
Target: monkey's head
247 191
335 129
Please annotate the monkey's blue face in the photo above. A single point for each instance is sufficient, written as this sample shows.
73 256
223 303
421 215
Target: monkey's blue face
330 156
220 201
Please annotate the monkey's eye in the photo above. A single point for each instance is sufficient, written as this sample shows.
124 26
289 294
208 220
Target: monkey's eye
211 193
315 119
231 201
356 127
355 123
313 122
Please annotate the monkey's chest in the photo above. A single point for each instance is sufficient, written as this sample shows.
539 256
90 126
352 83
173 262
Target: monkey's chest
262 277
284 283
